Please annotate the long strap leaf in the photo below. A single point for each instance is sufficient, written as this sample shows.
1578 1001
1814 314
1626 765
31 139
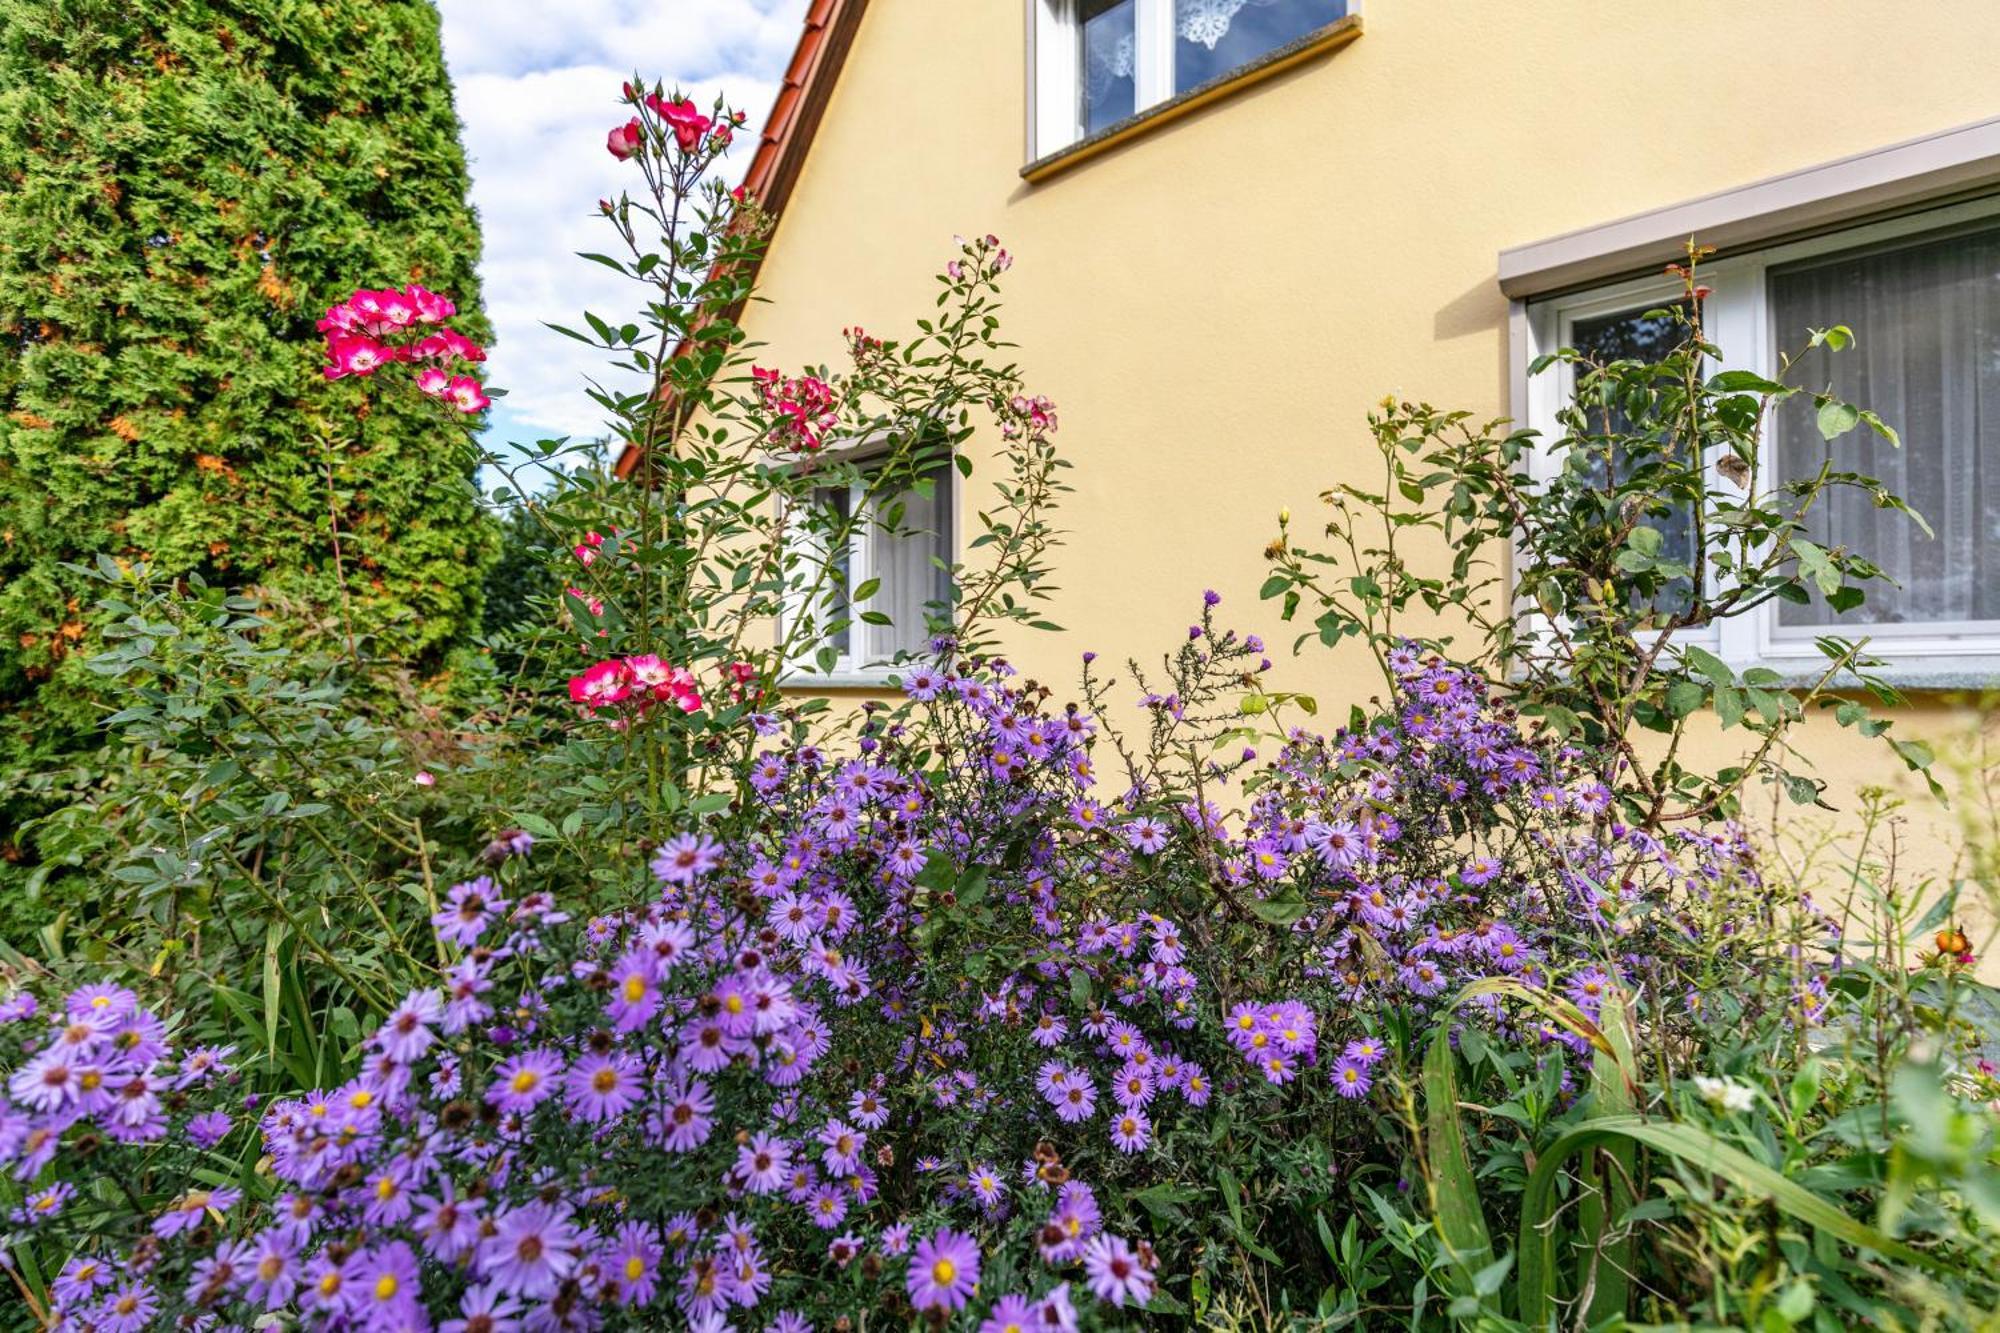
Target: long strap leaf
1460 1221
1607 1175
1698 1148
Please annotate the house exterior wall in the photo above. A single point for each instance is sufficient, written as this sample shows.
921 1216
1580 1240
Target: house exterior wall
1215 306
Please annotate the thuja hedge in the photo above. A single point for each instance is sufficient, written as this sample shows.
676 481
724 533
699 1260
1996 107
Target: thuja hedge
184 188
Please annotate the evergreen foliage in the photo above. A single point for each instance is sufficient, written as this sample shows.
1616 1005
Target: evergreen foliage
184 187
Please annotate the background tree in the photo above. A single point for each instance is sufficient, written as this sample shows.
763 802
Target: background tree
184 187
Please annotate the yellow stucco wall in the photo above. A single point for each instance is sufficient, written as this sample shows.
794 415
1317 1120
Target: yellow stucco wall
1215 305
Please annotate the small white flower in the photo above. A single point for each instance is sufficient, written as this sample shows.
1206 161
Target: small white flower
1725 1093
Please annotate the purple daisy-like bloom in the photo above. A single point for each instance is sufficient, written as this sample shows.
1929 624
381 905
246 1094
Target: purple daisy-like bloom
1012 1313
602 1087
631 1267
1350 1077
469 909
1131 1131
208 1129
406 1033
686 857
1115 1273
130 1310
525 1081
944 1271
532 1249
188 1211
763 1163
683 1122
986 1185
827 1207
485 1309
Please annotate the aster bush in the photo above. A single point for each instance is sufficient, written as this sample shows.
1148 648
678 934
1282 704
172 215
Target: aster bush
707 1006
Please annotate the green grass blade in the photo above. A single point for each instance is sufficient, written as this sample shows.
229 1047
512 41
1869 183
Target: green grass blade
1698 1148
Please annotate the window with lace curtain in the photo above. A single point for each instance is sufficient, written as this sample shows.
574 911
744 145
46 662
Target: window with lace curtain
1921 295
1098 62
890 574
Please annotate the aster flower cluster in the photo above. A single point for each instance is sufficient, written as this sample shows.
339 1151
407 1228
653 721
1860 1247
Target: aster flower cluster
938 1006
374 329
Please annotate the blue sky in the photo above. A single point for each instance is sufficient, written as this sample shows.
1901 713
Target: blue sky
537 87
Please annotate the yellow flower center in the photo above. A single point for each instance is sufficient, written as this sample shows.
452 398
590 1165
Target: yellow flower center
635 988
385 1188
604 1080
635 1268
385 1287
525 1081
943 1271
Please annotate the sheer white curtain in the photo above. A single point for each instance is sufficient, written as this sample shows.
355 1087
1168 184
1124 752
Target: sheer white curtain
1926 358
905 562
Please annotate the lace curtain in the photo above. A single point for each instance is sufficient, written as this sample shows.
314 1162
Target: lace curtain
1109 49
1926 357
904 563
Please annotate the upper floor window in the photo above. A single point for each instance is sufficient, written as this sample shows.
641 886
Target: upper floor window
1098 62
1921 295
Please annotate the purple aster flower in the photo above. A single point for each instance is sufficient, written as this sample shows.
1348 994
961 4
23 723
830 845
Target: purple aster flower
632 1265
406 1033
485 1309
1115 1273
81 1278
532 1249
1350 1077
208 1129
525 1081
827 1206
986 1185
683 1122
685 858
187 1212
1012 1313
1131 1131
469 909
944 1271
602 1087
762 1163
129 1311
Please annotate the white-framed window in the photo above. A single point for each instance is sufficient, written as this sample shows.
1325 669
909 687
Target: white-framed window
1921 294
1098 62
889 577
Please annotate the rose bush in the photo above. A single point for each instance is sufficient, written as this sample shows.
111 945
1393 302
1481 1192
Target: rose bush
974 1006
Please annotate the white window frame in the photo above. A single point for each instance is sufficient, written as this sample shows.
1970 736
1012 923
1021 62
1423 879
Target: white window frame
867 662
1736 318
1054 38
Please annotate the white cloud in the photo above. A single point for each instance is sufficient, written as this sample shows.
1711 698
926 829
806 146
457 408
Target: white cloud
537 87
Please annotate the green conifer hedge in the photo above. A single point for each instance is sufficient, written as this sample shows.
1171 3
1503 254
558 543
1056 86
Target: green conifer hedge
185 185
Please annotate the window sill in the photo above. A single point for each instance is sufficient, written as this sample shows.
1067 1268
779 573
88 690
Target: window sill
1314 44
811 682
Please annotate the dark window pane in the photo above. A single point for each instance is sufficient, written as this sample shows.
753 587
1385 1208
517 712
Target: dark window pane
1213 37
1632 335
1106 63
1926 358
